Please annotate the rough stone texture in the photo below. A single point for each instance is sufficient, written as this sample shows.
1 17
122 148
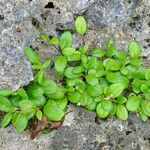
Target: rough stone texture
74 6
122 20
82 130
12 140
20 24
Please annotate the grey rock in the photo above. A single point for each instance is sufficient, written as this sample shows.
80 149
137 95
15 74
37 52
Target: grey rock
20 25
21 21
82 130
74 6
122 20
12 140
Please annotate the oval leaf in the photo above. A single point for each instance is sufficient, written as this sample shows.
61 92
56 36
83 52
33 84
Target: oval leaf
20 121
60 64
31 55
115 90
6 120
52 111
81 25
121 112
133 103
65 40
134 49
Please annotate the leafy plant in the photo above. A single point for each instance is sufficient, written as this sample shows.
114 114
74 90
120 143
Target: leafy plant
104 80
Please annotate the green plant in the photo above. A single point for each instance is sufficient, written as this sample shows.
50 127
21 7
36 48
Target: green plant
104 80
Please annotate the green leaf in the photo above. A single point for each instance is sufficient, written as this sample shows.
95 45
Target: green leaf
35 91
5 92
70 74
22 93
147 74
39 102
133 103
122 57
106 105
145 105
46 64
54 40
83 99
39 114
121 99
111 51
113 109
36 67
31 55
134 49
91 106
97 52
84 60
80 86
68 51
115 90
95 90
74 97
62 103
135 62
124 70
59 94
60 64
147 94
70 89
136 87
15 100
48 86
121 112
114 77
144 88
5 104
100 73
112 64
83 49
78 69
6 119
71 82
27 106
52 111
80 25
30 114
39 76
143 116
91 79
20 121
45 37
76 56
65 40
104 83
139 72
101 112
94 63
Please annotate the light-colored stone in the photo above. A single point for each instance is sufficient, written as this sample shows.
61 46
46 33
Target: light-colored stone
21 21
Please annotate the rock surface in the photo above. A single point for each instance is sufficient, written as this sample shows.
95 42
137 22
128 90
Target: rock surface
82 130
21 21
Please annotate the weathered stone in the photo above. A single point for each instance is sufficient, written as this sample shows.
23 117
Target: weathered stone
21 21
122 20
12 140
74 6
20 25
82 130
